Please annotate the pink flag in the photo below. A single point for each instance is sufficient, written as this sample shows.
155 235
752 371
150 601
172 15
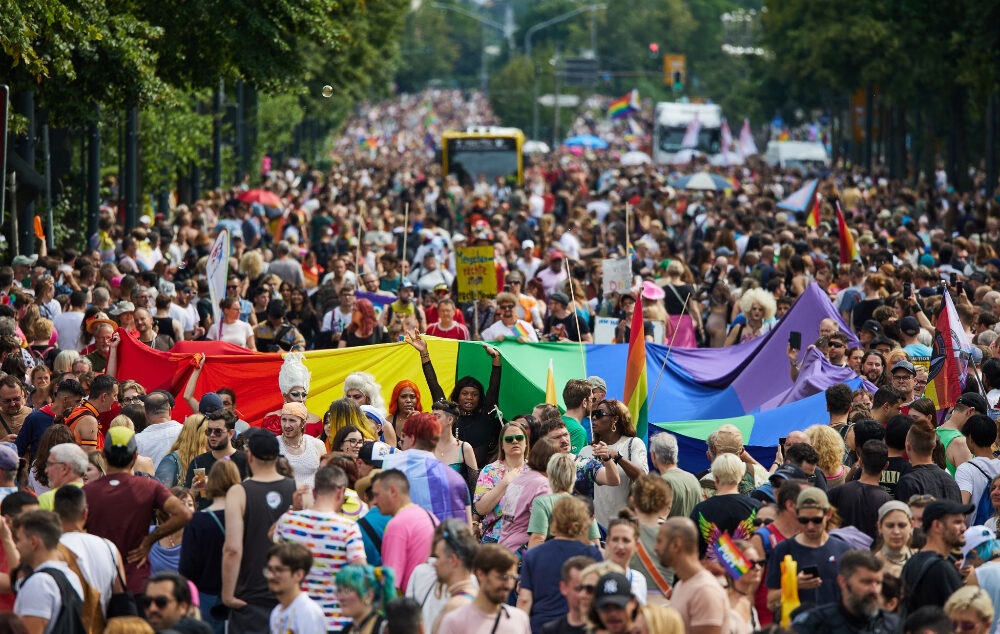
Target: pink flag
727 137
747 145
690 139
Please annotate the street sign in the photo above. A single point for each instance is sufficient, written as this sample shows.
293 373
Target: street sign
579 71
675 71
565 101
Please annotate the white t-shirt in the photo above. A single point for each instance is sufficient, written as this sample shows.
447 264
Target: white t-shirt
335 321
302 616
39 596
498 329
155 441
236 333
609 500
188 317
970 478
570 245
98 562
68 326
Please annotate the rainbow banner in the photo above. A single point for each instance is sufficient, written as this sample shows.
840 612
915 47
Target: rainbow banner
624 106
949 359
635 373
520 330
848 249
731 557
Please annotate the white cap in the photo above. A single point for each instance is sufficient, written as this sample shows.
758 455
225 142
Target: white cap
976 536
528 244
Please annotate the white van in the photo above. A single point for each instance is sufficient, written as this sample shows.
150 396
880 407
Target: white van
805 155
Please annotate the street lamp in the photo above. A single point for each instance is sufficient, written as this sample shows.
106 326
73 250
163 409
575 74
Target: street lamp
527 52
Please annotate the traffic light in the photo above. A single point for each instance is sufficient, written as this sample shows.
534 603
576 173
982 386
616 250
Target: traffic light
654 49
678 81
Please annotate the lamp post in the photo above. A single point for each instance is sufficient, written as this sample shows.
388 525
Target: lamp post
527 52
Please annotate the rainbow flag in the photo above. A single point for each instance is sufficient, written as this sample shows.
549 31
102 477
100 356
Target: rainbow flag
625 106
551 397
731 557
520 330
784 136
635 373
949 359
848 250
812 220
631 251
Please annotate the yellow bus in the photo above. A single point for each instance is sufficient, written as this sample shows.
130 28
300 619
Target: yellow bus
486 151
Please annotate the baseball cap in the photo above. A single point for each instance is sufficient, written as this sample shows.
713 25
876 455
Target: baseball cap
788 471
527 244
119 446
555 254
210 401
974 400
872 325
976 536
562 298
374 452
939 508
612 588
909 325
263 445
812 498
25 260
8 459
904 365
440 287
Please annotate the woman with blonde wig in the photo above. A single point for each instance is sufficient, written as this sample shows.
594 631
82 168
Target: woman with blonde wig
758 307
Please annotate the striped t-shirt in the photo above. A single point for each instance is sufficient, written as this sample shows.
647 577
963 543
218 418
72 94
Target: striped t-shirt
334 541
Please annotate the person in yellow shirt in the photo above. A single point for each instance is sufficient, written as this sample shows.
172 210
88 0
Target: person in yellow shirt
66 465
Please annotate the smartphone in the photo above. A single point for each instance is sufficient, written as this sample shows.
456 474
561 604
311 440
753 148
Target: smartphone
795 340
811 571
907 290
781 442
954 278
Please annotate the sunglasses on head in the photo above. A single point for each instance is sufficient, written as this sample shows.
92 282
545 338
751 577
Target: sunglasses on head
811 520
161 602
510 440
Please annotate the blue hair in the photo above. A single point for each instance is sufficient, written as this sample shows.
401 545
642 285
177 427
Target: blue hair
363 579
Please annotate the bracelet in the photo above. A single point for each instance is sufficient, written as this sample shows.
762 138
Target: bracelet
618 459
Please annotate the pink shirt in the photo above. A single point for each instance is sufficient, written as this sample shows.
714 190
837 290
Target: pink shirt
407 541
469 620
517 501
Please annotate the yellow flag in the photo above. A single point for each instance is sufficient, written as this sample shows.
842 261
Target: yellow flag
789 590
550 387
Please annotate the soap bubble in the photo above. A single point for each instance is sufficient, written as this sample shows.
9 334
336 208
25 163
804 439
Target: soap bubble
328 91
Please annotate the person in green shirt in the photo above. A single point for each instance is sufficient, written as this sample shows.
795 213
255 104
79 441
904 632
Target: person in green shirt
576 396
66 465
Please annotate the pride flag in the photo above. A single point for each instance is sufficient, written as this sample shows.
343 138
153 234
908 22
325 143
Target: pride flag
624 106
812 220
520 330
635 373
949 359
731 557
848 250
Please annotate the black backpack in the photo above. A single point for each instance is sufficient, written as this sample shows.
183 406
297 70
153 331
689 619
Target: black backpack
70 617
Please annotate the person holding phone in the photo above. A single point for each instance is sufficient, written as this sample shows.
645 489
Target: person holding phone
815 553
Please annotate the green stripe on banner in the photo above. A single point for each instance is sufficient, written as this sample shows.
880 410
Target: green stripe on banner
700 429
525 368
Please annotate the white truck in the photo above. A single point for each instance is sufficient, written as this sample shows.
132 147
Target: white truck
672 120
804 155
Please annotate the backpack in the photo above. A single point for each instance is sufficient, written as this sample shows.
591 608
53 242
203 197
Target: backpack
984 508
40 356
70 617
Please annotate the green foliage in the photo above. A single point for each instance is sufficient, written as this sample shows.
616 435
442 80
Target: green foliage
427 52
172 136
277 116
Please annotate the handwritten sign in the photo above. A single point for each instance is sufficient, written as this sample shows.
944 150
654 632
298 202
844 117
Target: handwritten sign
476 275
617 275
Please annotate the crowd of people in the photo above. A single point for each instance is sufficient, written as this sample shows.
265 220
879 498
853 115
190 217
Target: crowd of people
436 513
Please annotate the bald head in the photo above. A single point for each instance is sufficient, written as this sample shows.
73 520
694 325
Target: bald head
796 437
827 327
683 529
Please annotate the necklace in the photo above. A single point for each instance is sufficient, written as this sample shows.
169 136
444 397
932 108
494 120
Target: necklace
894 557
302 440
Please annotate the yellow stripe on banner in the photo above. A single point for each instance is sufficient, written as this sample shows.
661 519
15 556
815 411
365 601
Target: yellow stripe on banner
389 363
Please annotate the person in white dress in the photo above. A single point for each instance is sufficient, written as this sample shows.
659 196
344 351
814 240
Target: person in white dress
302 451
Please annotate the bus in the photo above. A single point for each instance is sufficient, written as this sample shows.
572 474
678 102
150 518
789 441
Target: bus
488 151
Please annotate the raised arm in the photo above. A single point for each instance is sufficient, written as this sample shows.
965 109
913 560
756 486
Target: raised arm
415 340
192 380
493 391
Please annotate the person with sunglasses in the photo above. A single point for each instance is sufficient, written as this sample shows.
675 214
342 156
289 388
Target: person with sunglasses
496 477
859 580
220 426
167 603
741 591
813 550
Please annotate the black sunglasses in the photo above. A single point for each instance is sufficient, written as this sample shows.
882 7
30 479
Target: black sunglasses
836 344
811 520
161 602
601 413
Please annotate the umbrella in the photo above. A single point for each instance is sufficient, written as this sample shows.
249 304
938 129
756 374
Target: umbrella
630 159
702 180
262 196
536 147
727 159
685 156
586 140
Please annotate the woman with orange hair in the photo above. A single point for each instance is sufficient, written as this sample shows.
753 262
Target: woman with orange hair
364 329
405 402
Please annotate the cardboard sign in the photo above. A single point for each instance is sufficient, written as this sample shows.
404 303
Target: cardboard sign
475 273
604 329
616 275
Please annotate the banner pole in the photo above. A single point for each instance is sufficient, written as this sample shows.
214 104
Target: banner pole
669 348
406 231
576 315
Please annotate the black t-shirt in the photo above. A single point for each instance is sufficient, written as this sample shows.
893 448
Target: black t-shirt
930 479
566 327
928 579
858 505
206 461
562 626
674 302
898 467
726 512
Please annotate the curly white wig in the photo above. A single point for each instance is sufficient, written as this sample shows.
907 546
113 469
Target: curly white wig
293 373
759 296
365 383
